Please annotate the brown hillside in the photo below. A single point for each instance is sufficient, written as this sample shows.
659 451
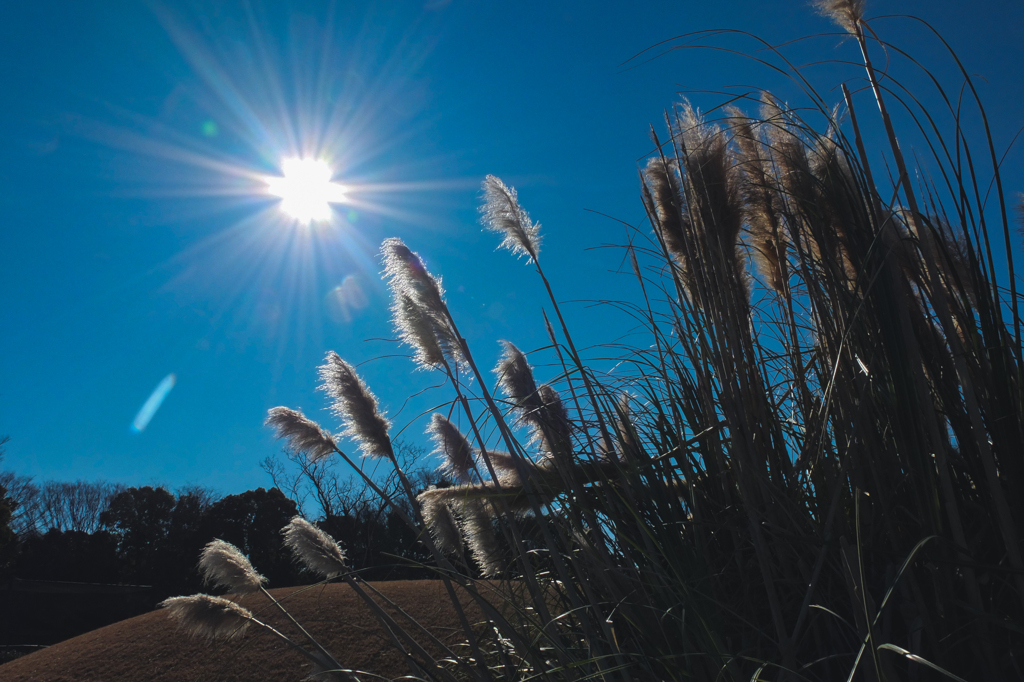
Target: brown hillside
149 647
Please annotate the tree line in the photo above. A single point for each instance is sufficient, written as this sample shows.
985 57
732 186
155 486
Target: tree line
103 532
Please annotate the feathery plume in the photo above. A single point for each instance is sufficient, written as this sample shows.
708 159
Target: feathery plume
767 236
223 565
315 549
418 310
553 425
624 428
478 528
846 13
406 274
302 433
502 462
453 446
356 406
201 615
503 214
438 517
714 209
416 328
515 377
663 204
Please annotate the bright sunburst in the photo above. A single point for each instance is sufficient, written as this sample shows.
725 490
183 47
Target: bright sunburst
306 189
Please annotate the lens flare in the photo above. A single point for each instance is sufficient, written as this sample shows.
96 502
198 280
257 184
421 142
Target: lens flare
153 403
306 190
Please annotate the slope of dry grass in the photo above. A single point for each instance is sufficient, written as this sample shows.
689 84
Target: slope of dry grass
148 647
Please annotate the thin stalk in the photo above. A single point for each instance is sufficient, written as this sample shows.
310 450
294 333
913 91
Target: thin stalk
1006 525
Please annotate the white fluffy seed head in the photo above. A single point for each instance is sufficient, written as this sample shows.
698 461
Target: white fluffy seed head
406 274
503 214
478 528
202 615
453 446
356 406
417 329
515 377
301 433
418 308
846 13
315 549
223 565
438 517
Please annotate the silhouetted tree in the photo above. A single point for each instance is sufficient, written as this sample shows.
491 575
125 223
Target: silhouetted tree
7 536
140 519
378 544
74 505
24 497
186 535
72 555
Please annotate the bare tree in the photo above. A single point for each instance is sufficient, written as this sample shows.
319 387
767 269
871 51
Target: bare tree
320 493
56 504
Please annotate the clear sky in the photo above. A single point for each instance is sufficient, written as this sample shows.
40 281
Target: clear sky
136 240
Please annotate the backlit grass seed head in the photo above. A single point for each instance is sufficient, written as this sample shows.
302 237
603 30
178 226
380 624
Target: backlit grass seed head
201 615
515 377
223 565
453 446
356 406
846 13
406 274
714 207
301 433
438 517
553 425
663 204
478 527
767 235
315 549
503 214
419 330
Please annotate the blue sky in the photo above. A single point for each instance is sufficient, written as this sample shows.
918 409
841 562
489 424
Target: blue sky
136 242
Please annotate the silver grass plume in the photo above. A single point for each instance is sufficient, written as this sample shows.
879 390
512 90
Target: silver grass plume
453 446
553 427
515 377
407 274
201 615
662 196
418 308
416 328
503 463
767 235
714 209
503 214
315 549
356 406
841 205
223 565
624 428
438 517
846 13
478 528
302 433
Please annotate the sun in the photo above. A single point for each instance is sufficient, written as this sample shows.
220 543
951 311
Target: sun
306 190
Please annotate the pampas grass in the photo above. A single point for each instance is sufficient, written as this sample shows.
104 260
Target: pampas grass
223 565
315 549
356 406
300 433
201 615
803 469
